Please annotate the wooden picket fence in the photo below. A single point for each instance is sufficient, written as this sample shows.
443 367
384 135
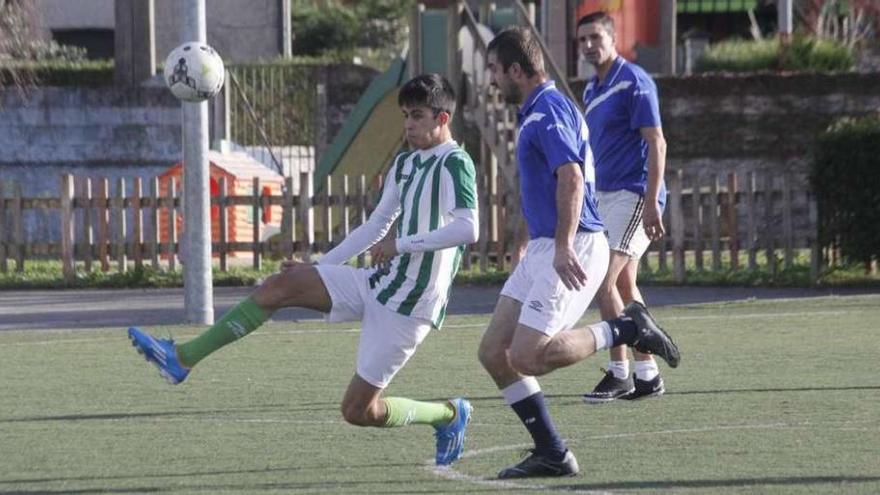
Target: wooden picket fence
720 215
714 216
100 229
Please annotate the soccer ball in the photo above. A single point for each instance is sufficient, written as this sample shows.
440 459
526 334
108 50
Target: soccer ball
194 72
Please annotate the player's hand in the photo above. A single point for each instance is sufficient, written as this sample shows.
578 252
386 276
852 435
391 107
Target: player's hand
384 250
566 264
653 221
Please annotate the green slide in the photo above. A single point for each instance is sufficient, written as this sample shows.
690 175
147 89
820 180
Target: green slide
371 135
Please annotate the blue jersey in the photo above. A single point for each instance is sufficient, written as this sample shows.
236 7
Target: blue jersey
615 110
551 134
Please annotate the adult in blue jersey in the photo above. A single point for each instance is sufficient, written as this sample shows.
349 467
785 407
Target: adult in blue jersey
623 115
531 332
431 191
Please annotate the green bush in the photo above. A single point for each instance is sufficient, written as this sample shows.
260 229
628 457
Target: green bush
803 54
317 30
340 30
845 175
58 72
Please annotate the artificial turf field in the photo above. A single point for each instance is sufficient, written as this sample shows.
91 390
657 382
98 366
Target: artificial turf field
771 397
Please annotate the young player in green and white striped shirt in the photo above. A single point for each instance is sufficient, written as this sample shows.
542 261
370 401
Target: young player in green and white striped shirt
431 192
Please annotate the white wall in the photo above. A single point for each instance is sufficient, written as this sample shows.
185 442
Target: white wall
239 30
74 14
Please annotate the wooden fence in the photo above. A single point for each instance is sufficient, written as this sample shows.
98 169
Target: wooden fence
722 216
710 218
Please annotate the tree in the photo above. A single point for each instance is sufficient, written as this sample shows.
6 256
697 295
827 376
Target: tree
847 21
344 26
20 45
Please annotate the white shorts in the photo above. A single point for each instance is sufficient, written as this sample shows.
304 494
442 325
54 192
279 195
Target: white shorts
621 212
547 306
388 339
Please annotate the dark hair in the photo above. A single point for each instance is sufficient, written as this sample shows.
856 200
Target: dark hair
599 17
428 90
517 44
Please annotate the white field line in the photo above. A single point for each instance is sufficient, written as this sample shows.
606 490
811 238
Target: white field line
449 472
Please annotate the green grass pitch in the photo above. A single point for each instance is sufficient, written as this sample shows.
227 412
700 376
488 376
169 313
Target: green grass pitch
775 397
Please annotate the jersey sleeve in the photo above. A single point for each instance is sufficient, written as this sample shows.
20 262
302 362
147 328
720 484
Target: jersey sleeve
644 108
558 138
459 179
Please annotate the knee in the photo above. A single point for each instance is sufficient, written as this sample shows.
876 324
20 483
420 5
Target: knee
356 414
278 289
526 362
492 357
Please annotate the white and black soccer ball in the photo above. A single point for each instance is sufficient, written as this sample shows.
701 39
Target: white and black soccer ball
194 72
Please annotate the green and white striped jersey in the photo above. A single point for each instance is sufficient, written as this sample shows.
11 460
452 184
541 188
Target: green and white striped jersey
430 184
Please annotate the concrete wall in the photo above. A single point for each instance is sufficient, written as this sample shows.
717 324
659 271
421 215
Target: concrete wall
89 127
717 124
74 14
112 132
240 30
745 122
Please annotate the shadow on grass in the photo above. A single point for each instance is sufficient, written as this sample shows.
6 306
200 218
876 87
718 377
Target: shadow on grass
720 483
322 486
310 407
493 398
354 485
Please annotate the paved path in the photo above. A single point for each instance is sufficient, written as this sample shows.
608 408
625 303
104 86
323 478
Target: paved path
77 309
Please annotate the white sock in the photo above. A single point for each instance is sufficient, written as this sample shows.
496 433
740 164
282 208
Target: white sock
602 335
620 369
647 370
518 391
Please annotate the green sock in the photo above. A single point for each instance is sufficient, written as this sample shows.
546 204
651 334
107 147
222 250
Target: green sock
239 321
402 412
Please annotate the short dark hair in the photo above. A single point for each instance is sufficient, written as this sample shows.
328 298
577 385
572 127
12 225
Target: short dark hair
517 44
599 17
428 90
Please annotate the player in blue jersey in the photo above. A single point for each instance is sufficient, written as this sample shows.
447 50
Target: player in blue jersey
531 332
431 191
623 115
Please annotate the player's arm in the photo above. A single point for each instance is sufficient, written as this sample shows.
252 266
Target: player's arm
458 199
371 231
652 217
463 229
569 201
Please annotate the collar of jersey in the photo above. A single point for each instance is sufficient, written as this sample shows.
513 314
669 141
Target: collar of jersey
612 74
423 157
533 98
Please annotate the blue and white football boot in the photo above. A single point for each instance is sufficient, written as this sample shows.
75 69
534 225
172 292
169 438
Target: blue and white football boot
450 437
160 352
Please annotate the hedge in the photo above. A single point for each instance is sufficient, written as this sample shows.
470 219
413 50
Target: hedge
59 72
845 175
803 54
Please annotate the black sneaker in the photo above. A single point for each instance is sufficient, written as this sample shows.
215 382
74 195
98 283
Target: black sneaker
651 338
610 388
535 465
646 388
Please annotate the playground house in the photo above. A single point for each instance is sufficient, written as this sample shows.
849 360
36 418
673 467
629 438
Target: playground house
239 170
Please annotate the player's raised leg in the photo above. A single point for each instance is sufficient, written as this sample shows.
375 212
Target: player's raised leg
297 284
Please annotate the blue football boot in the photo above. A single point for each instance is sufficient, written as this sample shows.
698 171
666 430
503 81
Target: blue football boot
450 437
160 352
